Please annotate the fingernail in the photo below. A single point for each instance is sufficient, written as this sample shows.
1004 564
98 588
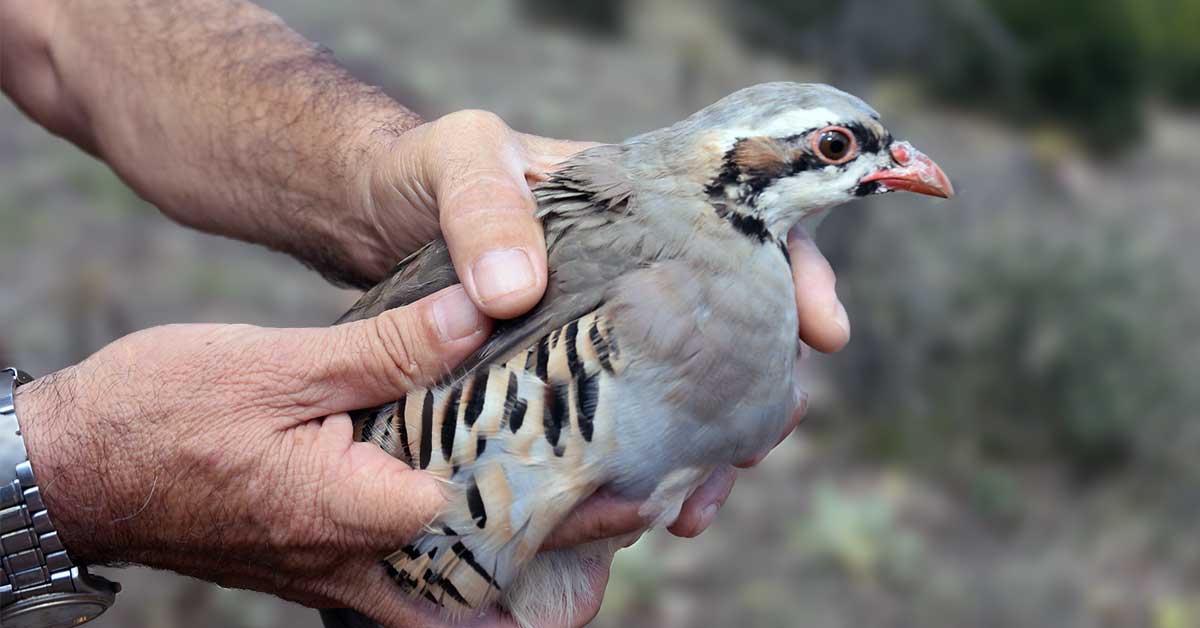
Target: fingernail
497 274
456 316
841 318
707 515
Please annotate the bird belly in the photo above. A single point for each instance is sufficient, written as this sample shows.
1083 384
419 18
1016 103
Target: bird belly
654 439
709 377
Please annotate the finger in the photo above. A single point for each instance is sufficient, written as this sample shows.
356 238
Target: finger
823 322
379 359
487 212
701 508
374 500
600 516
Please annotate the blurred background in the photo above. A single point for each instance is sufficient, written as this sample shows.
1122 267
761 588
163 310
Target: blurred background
1011 438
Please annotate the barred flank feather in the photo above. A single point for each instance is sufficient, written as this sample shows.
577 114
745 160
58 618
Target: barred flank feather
520 444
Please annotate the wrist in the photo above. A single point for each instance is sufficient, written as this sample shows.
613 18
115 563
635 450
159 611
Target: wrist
395 198
339 235
370 247
46 412
40 584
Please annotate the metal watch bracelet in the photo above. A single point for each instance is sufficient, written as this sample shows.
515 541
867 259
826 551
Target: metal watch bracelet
40 587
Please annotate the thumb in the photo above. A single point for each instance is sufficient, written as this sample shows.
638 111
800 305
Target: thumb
378 360
476 166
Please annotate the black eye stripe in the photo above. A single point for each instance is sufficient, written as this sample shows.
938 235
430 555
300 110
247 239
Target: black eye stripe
752 183
866 189
868 141
808 161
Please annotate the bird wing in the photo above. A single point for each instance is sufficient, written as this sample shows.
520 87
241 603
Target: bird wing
417 276
584 209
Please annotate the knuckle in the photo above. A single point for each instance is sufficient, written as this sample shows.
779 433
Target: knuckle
477 120
479 165
485 193
399 342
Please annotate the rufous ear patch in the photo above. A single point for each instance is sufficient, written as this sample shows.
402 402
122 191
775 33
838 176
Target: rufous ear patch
763 156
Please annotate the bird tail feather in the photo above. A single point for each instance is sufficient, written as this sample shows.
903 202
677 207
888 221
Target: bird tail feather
465 568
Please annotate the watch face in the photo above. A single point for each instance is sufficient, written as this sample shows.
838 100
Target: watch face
57 610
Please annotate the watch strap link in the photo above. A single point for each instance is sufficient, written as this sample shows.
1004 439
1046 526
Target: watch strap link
32 558
40 587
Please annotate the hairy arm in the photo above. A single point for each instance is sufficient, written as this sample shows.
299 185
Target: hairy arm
216 112
232 123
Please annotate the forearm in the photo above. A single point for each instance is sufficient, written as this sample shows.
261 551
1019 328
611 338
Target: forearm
216 112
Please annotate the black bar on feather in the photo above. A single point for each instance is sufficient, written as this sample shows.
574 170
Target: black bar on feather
426 430
449 422
587 397
478 395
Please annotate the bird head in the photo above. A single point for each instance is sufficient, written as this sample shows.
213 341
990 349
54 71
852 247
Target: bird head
770 155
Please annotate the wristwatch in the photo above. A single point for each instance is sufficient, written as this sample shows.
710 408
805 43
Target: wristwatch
39 585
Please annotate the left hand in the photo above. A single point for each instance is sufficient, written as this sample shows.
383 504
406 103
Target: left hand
467 177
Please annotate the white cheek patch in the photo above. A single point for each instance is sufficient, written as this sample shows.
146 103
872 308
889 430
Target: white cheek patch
799 192
782 125
814 189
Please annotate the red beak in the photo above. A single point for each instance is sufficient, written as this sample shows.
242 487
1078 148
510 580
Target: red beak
914 172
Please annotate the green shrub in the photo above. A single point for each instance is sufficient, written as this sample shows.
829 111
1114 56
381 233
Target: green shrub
1169 33
1071 351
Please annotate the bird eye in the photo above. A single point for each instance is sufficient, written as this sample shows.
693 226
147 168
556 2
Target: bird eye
835 145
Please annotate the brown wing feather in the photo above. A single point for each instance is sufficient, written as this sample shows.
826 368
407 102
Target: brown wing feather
572 204
419 275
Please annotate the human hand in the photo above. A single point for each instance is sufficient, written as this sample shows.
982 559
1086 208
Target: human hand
466 177
224 451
